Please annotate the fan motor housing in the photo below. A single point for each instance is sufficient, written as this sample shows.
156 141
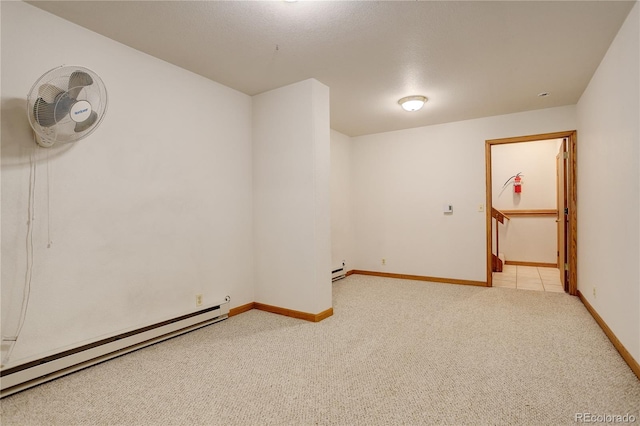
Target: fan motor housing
80 111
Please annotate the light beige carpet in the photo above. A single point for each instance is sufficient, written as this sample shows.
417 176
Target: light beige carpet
395 352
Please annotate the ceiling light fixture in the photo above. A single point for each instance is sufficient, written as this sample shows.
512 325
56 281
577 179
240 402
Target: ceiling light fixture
412 103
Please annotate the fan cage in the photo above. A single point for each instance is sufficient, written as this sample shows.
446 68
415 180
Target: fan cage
63 131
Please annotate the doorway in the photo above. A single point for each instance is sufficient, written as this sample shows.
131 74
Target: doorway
566 211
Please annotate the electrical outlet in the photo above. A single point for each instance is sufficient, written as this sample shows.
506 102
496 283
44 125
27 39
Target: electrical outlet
384 261
198 300
480 207
594 291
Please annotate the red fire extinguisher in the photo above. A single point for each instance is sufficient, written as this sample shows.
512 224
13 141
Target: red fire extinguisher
517 184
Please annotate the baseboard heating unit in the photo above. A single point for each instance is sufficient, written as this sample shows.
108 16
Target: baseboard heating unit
338 273
15 378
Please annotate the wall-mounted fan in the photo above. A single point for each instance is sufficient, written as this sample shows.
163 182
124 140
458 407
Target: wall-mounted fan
66 104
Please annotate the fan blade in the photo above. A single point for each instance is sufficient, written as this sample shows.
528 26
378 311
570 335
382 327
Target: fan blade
43 113
49 92
84 125
77 81
47 114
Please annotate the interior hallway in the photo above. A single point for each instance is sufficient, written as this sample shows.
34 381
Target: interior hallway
529 278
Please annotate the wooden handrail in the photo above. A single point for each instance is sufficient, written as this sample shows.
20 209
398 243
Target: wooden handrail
496 262
498 215
533 212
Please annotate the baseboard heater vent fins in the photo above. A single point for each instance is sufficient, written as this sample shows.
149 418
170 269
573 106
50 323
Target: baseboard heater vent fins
15 378
338 274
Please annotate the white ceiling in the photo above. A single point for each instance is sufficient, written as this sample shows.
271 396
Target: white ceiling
471 58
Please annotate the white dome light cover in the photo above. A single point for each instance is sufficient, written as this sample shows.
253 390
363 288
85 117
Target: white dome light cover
412 103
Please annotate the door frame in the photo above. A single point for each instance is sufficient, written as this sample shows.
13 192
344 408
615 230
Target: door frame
561 221
572 230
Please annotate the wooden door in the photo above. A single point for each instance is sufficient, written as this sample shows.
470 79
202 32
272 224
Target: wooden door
561 185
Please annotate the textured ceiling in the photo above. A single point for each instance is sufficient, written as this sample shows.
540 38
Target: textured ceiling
471 59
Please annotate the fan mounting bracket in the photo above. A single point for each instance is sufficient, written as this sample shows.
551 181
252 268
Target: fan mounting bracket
44 142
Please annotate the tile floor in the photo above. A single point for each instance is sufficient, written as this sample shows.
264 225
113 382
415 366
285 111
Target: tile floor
529 278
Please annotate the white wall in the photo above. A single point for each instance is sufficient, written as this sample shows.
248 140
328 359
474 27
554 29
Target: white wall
527 238
609 187
402 179
150 210
537 162
342 232
291 172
